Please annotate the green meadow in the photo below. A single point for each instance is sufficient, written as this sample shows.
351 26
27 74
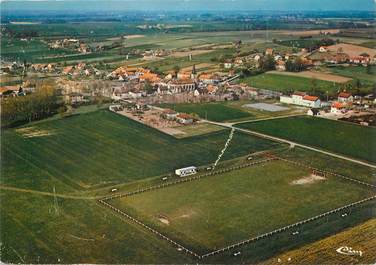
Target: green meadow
339 137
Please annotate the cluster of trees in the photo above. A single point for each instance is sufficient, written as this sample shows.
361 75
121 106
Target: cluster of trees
41 104
267 63
311 46
296 65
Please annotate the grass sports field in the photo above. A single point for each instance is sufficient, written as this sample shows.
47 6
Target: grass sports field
285 83
73 228
212 111
220 210
103 148
339 137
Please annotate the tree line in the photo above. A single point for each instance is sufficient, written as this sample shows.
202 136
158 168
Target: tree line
38 105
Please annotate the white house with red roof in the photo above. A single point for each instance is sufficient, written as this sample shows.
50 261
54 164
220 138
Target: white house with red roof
302 99
364 60
338 108
345 97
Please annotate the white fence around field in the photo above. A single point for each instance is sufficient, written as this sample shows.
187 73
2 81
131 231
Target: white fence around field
244 242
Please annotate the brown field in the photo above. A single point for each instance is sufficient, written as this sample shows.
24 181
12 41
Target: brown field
309 32
352 50
198 66
316 75
187 53
128 37
361 237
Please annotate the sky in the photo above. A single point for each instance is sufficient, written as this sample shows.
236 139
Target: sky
193 5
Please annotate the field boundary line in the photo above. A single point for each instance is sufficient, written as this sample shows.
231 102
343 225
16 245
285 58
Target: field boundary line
103 202
294 144
272 157
369 185
198 177
279 230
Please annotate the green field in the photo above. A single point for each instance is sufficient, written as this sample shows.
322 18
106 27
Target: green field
220 210
212 111
300 43
35 230
17 50
339 137
287 84
359 72
103 148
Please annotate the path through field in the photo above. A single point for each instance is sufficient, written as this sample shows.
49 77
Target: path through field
51 194
294 144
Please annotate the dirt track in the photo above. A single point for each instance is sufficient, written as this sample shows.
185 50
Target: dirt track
316 75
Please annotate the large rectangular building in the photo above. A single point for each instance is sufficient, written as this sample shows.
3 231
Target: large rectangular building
301 99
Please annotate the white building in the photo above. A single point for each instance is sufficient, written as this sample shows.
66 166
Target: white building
183 172
184 118
301 99
170 114
228 65
344 97
338 108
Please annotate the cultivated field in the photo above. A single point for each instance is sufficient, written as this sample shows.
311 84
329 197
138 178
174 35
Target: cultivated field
36 230
285 83
197 129
339 137
73 229
103 148
221 210
212 111
352 50
358 72
316 75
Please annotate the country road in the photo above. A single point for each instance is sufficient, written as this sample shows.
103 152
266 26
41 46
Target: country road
292 144
51 194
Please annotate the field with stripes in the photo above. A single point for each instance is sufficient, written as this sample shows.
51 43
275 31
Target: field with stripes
102 149
219 212
92 188
340 137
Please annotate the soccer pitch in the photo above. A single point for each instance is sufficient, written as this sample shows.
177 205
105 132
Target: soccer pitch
220 210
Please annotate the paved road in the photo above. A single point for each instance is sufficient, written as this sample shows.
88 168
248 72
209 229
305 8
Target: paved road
293 144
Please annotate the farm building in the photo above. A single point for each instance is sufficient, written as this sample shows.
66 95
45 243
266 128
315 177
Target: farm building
269 51
345 97
9 91
338 108
183 172
184 118
323 49
360 60
280 66
301 99
207 78
170 114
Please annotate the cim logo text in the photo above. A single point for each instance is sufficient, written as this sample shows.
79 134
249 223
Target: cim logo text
349 251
